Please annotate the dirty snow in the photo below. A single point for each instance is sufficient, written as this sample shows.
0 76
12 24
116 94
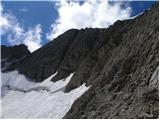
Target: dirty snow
22 98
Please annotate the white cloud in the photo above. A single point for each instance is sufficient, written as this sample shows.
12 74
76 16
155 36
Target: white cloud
24 10
91 13
32 38
16 34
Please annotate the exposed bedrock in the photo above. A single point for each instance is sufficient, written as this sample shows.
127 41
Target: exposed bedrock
120 63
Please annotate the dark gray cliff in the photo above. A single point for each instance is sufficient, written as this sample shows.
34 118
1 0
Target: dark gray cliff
124 75
11 54
120 63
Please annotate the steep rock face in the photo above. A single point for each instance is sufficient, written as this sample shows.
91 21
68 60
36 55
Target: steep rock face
11 54
14 52
45 61
120 63
124 79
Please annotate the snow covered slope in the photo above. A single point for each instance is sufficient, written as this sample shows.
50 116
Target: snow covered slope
22 98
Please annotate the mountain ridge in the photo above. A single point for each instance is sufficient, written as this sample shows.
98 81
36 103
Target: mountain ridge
118 62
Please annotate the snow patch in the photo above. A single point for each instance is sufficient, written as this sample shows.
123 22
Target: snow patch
26 99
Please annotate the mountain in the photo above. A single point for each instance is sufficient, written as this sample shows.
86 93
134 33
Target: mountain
118 65
9 54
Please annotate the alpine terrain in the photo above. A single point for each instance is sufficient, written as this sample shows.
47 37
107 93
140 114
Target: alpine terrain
87 73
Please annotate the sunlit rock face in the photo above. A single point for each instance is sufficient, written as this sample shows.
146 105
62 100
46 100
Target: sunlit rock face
124 79
119 64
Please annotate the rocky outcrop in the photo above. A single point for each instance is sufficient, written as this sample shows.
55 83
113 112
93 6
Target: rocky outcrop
124 78
120 63
12 54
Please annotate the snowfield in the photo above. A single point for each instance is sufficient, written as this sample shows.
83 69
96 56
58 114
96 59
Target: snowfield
22 98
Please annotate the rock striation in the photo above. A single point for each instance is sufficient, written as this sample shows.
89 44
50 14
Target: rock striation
120 63
12 54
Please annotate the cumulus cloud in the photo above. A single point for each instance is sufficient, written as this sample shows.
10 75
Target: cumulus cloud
91 13
16 34
24 10
32 38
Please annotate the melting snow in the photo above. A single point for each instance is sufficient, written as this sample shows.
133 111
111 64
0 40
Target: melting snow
25 99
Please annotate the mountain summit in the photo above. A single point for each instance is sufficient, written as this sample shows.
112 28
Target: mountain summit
118 65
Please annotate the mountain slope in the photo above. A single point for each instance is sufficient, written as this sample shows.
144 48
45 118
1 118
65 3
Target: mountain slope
10 55
120 63
122 79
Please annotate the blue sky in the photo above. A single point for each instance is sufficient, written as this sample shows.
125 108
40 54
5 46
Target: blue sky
40 22
32 13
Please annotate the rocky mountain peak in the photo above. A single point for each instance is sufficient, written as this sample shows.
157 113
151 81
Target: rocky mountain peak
119 64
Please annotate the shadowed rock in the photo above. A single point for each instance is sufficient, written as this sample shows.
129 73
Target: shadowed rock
120 63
